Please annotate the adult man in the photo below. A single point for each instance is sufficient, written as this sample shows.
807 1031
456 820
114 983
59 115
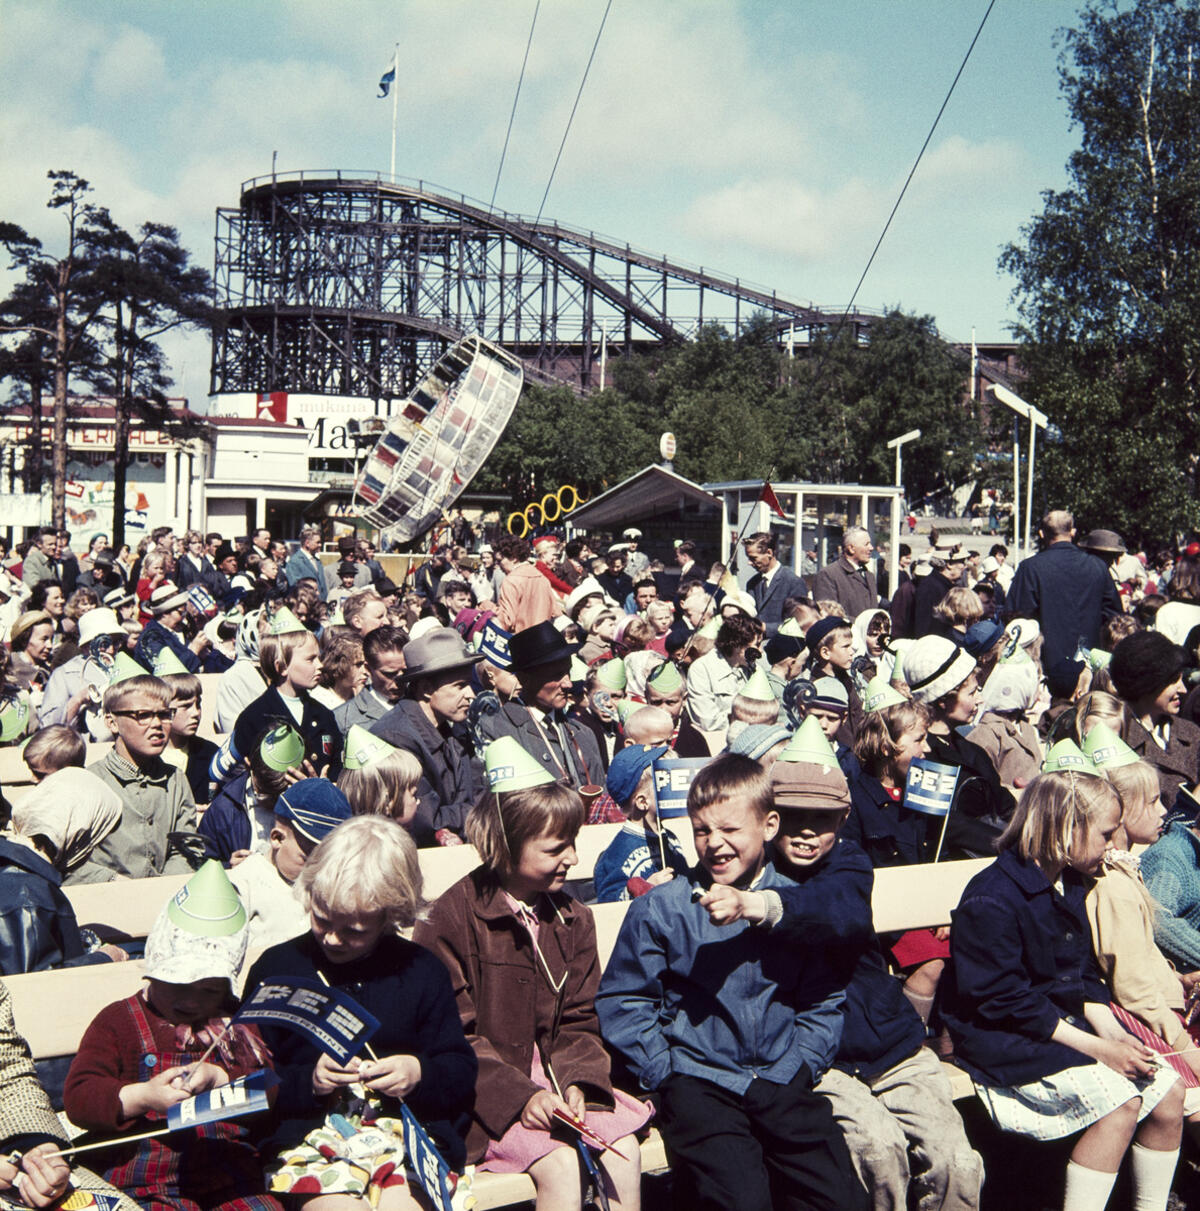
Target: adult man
685 557
525 597
695 608
303 563
1067 590
66 566
946 571
847 580
364 611
772 584
645 591
262 542
537 716
636 562
347 553
614 580
430 723
168 604
39 559
384 654
430 573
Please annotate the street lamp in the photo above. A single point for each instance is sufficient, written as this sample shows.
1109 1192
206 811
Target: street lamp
1037 420
897 443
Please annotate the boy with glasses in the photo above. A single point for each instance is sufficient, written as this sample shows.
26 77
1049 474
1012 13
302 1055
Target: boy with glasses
159 820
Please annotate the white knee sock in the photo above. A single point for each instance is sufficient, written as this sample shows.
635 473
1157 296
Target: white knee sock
1152 1176
1087 1189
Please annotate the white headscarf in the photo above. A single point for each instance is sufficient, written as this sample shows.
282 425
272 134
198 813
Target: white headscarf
73 810
1011 687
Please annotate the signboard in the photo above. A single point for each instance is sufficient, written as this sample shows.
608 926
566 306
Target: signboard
336 1023
930 787
325 417
666 446
673 778
246 1095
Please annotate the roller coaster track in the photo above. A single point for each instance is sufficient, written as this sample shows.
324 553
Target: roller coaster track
341 283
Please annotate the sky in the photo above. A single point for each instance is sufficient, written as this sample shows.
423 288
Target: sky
765 139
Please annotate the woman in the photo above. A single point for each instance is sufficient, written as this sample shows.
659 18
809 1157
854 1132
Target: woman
31 640
485 580
98 543
343 671
49 597
715 679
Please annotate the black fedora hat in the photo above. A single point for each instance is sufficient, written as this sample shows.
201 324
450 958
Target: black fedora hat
538 645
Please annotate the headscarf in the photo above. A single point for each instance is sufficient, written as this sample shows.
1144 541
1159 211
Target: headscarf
1011 687
73 810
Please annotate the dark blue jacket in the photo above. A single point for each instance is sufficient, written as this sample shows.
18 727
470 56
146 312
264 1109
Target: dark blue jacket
225 824
982 805
1022 961
1069 592
885 830
318 729
200 755
406 987
880 1026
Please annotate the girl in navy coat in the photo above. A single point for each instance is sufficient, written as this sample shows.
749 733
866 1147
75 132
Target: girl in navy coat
1030 1015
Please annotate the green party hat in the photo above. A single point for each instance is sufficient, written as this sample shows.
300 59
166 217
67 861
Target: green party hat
510 768
665 678
336 619
810 745
758 687
625 707
14 720
1099 659
284 622
611 674
207 904
1106 750
579 670
363 748
282 748
880 694
792 629
166 663
1066 757
124 667
710 629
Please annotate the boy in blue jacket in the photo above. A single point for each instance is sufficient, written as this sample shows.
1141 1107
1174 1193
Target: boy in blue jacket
730 1024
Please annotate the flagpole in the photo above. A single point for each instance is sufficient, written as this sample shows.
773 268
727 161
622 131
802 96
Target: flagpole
395 103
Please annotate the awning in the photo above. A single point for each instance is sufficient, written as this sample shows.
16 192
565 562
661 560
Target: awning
652 492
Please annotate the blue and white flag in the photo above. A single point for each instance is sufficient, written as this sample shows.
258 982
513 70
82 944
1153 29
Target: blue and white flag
338 1024
426 1161
673 778
930 787
246 1095
388 78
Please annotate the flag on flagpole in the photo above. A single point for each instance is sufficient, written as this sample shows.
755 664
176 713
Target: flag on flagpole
768 498
388 78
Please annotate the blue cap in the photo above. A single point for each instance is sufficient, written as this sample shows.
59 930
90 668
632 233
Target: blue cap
756 740
981 636
627 767
314 807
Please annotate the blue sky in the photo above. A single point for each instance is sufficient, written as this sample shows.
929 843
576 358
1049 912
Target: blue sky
763 138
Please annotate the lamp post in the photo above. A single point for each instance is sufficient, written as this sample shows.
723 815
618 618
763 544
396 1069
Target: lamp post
1037 420
897 444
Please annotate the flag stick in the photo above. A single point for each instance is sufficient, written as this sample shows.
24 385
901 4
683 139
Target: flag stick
395 102
321 976
124 1139
942 835
662 846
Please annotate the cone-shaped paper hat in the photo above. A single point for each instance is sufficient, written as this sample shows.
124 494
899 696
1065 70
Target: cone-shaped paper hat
14 720
880 694
625 707
124 667
166 663
363 748
284 622
579 671
207 904
611 674
1106 749
282 748
792 629
1066 757
665 679
1098 658
810 745
710 629
336 619
510 768
758 687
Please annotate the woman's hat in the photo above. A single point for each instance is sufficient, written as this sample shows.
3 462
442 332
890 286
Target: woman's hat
935 666
539 645
25 623
97 622
165 598
118 599
589 586
438 651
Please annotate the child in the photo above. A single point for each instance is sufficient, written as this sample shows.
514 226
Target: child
755 702
730 1025
159 819
142 1055
185 750
828 702
831 646
665 688
1005 731
290 662
522 959
241 814
633 863
305 814
378 778
360 885
52 748
1029 1013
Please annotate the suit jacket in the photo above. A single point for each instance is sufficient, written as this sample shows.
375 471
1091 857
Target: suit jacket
301 564
842 582
513 719
364 709
769 598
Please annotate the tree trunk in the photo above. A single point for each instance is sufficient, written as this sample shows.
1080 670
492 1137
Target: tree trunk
32 473
124 405
58 482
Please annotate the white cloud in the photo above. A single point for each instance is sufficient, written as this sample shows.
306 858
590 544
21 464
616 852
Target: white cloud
132 64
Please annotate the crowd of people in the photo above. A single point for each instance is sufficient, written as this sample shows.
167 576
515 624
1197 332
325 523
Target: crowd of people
509 697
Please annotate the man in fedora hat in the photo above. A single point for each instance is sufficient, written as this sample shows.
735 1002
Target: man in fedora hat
537 716
168 605
1068 590
430 722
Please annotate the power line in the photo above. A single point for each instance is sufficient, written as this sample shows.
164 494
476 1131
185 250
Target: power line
574 107
516 98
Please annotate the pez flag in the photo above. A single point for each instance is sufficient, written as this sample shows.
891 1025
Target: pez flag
426 1161
246 1095
673 778
930 787
338 1024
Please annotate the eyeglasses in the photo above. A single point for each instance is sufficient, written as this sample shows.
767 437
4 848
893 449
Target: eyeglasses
144 717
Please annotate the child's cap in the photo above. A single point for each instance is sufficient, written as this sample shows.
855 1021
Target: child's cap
579 670
1106 749
981 636
282 748
628 766
201 932
758 687
611 674
1099 659
1066 757
625 707
810 746
792 629
880 694
820 630
14 720
314 807
166 663
710 629
510 768
493 644
363 748
124 667
756 740
800 785
284 622
665 679
829 695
